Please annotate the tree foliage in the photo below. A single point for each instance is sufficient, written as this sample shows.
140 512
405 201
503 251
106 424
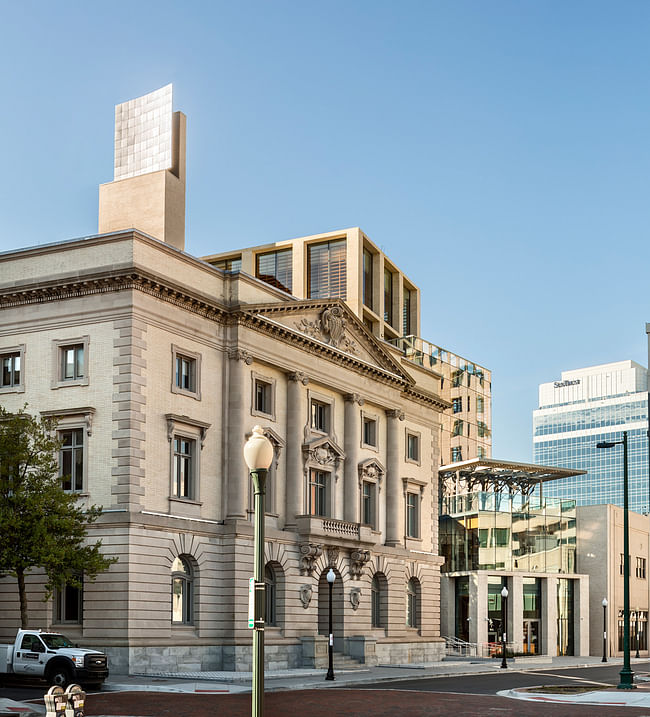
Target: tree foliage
42 526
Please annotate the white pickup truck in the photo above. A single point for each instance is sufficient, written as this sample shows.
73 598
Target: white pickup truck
51 656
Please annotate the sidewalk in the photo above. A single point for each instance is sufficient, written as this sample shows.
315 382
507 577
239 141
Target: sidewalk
303 679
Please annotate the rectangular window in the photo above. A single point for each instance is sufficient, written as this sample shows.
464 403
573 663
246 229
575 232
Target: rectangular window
367 278
185 373
263 397
482 429
480 452
232 264
406 313
10 370
71 460
368 503
318 492
184 455
479 404
458 428
326 270
457 404
68 605
72 362
456 454
369 432
388 297
413 447
457 378
320 416
640 568
412 515
276 268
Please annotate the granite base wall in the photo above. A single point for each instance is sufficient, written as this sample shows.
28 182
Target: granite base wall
406 653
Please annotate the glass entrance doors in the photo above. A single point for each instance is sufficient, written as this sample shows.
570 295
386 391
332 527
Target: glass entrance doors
531 643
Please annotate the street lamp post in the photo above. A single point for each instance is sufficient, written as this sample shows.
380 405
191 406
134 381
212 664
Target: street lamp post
331 577
504 620
604 604
626 674
258 454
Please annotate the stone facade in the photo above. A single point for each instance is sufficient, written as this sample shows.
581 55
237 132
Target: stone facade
311 374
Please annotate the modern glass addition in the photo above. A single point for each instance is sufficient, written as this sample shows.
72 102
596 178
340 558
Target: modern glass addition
496 531
367 278
276 268
232 264
406 313
388 297
326 269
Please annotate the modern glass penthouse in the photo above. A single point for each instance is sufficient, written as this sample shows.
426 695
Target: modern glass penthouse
498 528
583 408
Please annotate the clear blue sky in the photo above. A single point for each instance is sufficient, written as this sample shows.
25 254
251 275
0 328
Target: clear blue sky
498 152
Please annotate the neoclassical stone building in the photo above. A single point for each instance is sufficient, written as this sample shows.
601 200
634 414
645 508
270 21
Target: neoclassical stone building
159 364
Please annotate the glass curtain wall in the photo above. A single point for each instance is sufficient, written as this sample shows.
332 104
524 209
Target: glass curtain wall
499 531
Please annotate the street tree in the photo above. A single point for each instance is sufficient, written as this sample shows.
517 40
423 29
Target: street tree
41 525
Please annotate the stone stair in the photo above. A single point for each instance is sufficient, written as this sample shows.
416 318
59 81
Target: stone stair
345 662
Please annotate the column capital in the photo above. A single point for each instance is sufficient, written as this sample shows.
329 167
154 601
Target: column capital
395 413
354 398
236 354
298 377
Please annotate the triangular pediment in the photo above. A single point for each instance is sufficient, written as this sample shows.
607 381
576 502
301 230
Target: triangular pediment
331 324
324 449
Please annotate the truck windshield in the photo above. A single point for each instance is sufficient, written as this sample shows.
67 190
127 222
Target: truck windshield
54 641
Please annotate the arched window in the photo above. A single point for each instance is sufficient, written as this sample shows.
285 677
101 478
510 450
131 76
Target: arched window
182 592
375 602
270 585
412 603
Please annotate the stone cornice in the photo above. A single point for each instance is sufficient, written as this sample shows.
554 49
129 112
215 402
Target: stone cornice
425 398
132 278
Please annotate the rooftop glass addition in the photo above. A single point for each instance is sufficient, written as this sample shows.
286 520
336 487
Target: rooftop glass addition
275 268
326 270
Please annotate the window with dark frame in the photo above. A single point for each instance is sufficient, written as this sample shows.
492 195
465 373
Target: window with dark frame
71 460
412 515
369 431
10 377
184 453
406 313
68 605
368 503
388 297
186 373
263 397
182 592
318 492
367 278
72 362
270 589
413 447
276 268
327 270
457 404
320 416
412 603
375 602
456 454
641 568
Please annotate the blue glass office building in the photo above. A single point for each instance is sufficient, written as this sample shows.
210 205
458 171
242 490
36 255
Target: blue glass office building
583 408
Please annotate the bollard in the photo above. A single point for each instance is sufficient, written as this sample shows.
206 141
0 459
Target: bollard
76 698
56 702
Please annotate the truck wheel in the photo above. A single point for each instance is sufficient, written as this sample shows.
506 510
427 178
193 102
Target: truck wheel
61 676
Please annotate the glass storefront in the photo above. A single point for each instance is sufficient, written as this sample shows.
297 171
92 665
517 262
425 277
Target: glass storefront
532 616
494 531
462 608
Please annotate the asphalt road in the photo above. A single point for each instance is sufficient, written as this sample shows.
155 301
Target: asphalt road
510 678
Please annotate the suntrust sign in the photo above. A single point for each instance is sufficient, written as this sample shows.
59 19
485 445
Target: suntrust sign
562 384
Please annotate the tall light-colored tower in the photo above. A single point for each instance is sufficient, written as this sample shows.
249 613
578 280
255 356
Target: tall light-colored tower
148 188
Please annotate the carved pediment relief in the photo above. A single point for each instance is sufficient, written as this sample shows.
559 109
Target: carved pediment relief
329 326
371 470
322 452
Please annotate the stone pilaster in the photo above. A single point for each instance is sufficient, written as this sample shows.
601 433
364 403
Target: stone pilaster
237 478
352 441
394 501
295 420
